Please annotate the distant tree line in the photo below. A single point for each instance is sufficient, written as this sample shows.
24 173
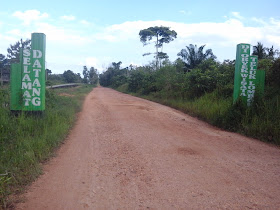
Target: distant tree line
13 56
194 73
89 77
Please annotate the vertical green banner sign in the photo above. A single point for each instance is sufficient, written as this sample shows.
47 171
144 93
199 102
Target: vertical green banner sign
247 79
28 77
241 72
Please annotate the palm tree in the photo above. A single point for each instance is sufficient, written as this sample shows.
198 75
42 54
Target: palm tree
271 53
260 51
193 56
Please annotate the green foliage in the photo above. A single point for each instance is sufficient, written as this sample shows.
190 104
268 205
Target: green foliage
70 76
265 52
55 79
67 77
90 76
274 73
93 76
161 35
114 76
14 50
193 56
28 139
142 80
260 51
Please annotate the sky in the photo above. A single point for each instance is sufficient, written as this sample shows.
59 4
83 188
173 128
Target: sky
95 33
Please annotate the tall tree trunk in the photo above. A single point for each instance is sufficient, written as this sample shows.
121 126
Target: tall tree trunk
157 53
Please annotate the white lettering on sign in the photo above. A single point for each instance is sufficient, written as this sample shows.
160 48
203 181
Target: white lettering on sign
31 85
26 61
245 48
26 77
252 78
26 86
37 54
37 72
26 52
37 64
244 69
25 70
26 94
36 91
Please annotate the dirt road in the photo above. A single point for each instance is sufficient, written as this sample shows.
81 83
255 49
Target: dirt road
129 153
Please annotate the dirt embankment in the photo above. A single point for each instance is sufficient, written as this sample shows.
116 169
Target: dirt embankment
129 153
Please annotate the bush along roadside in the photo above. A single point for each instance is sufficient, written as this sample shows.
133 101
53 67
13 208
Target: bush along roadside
28 139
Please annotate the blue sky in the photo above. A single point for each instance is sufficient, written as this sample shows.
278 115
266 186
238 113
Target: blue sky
96 33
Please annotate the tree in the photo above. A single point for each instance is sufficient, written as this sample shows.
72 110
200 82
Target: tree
161 35
3 62
48 73
193 56
14 50
69 76
86 75
271 53
260 51
114 76
93 76
117 66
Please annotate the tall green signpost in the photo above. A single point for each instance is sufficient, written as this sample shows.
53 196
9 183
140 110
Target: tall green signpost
247 79
28 77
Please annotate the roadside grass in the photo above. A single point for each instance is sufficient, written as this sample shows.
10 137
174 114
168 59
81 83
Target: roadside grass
26 140
261 120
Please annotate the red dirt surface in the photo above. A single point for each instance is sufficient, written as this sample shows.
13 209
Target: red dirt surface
129 153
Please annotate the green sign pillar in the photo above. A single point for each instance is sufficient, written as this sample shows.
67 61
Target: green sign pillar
247 79
28 77
241 72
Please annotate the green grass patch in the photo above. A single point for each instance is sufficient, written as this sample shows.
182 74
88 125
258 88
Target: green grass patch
27 139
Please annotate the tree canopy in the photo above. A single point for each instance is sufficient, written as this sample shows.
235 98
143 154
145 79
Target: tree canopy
264 52
161 35
193 56
14 50
70 76
90 76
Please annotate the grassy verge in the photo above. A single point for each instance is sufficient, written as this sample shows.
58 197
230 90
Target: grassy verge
261 120
26 140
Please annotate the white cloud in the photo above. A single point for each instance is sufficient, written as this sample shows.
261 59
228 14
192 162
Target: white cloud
258 20
15 32
225 35
275 22
185 12
68 17
63 35
29 16
275 40
237 15
77 45
101 63
91 61
84 22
